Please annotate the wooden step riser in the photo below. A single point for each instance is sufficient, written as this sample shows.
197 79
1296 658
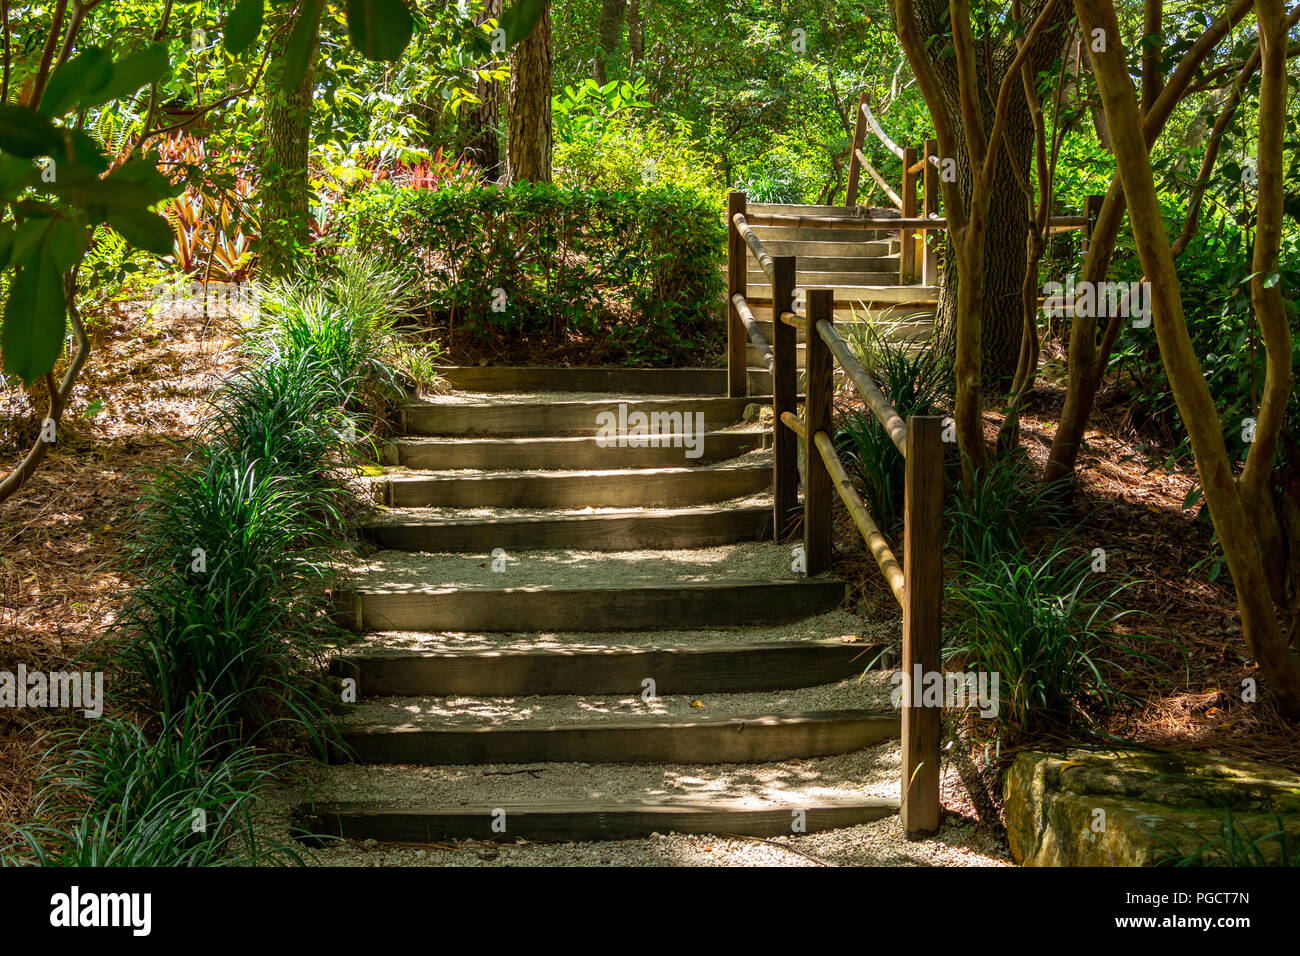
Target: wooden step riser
676 489
703 742
831 249
563 823
582 532
837 263
886 294
757 279
584 452
815 234
754 358
755 208
635 607
561 418
626 381
717 670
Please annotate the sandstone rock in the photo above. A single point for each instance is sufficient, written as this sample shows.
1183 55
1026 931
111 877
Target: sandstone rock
1130 808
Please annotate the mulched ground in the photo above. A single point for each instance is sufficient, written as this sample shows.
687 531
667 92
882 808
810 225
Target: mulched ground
141 394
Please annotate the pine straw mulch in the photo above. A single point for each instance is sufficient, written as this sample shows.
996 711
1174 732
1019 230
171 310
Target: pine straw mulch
143 390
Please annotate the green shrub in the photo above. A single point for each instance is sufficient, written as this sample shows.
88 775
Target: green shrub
232 561
1214 279
915 382
1046 627
639 273
1005 502
344 323
122 797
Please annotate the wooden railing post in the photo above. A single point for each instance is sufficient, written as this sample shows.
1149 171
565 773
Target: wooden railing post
817 487
737 268
785 390
907 243
923 594
859 137
929 207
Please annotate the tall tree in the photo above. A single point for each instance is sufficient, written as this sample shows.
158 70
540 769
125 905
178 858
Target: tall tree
285 190
983 125
530 137
1258 526
971 101
608 30
479 141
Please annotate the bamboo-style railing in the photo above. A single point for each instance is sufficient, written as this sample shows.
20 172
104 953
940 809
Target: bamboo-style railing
917 580
917 256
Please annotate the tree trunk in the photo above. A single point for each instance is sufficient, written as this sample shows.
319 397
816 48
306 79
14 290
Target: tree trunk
530 106
1230 505
478 140
285 188
1004 270
635 32
608 31
1089 355
1008 220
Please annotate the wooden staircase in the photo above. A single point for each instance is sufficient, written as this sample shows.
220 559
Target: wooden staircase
616 620
861 266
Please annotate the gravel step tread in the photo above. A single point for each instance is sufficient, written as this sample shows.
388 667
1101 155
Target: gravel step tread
735 563
831 626
869 695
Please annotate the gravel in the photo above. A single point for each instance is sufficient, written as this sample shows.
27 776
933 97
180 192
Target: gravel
403 515
748 561
835 625
871 692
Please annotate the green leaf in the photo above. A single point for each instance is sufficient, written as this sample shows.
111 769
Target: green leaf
301 45
380 29
521 18
34 321
145 230
132 72
26 133
74 82
243 25
1272 279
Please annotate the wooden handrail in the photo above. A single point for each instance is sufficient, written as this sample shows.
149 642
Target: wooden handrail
883 224
795 424
755 333
880 133
846 222
896 199
875 540
919 165
871 394
793 320
737 284
755 244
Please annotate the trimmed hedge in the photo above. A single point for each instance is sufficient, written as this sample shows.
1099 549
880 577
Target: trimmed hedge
638 273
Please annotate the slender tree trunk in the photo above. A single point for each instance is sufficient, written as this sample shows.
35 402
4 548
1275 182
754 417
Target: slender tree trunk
635 32
530 105
608 31
1089 355
479 142
1230 505
285 188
